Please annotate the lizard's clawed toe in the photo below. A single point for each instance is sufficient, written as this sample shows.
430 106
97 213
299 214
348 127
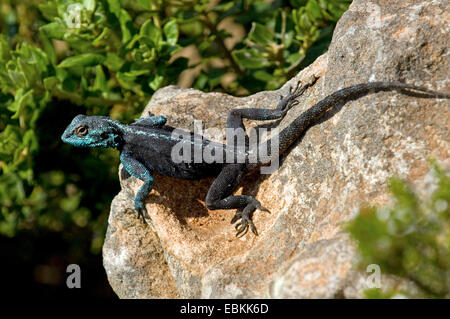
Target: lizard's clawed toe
146 219
142 212
245 217
260 207
243 226
236 217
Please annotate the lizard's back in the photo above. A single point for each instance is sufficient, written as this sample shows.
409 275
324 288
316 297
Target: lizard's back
172 155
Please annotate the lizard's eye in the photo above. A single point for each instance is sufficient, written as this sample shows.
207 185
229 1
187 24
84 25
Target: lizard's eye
81 131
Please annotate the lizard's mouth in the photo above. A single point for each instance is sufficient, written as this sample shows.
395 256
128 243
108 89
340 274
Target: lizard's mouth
68 137
64 137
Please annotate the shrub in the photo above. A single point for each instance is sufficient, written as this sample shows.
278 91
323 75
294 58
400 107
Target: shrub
410 239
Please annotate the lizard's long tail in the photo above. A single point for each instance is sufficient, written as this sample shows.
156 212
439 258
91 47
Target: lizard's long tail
290 134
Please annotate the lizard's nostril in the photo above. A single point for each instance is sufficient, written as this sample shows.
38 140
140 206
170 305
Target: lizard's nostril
64 136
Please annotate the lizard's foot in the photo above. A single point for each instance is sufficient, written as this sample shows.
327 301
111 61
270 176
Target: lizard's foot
246 218
290 100
142 212
140 208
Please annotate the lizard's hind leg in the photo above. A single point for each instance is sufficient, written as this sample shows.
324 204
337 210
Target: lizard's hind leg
219 197
220 193
235 116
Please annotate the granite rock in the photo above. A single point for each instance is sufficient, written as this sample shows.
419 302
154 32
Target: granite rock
339 165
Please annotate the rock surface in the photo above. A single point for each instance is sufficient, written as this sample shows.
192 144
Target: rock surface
339 165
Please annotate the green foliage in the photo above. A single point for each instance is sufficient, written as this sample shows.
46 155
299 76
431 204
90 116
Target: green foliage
59 58
410 239
280 38
279 42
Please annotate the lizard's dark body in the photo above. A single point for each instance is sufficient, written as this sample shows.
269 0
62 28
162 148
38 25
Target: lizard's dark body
146 146
155 145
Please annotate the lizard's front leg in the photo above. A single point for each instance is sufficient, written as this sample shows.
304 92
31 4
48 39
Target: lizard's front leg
138 170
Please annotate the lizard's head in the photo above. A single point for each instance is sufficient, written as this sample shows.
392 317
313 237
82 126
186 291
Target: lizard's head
92 131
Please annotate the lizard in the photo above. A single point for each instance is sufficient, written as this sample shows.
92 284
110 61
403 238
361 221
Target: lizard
146 145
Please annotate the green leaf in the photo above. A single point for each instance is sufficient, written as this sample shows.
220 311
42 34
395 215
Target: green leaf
86 59
260 34
192 27
54 30
78 44
49 10
288 38
21 100
263 76
103 38
150 30
18 78
125 81
113 61
100 79
224 6
89 5
47 45
61 74
155 82
114 7
125 25
30 140
11 184
313 10
304 22
146 4
201 81
250 58
295 58
29 71
136 73
4 49
50 82
170 30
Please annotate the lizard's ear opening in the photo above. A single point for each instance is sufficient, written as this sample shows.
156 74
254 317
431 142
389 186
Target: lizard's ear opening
113 135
